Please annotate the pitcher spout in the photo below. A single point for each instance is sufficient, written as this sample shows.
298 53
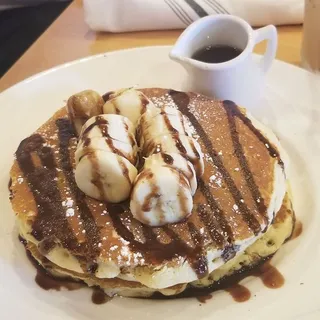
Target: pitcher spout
183 48
180 54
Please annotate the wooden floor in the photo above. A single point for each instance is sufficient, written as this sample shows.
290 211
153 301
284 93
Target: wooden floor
20 27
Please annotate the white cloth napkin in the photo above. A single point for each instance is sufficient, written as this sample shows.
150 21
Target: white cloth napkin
133 15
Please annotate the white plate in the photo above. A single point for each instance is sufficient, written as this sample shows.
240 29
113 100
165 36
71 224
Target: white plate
290 107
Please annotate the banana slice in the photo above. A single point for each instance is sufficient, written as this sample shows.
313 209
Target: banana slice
161 195
168 121
144 121
130 103
111 126
176 161
105 176
107 154
106 144
178 143
147 117
82 106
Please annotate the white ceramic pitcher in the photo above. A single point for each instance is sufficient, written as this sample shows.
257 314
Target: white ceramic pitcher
240 79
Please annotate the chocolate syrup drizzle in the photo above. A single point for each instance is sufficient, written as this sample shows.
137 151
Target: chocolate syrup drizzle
182 100
10 189
167 158
231 110
103 124
107 95
214 219
66 133
51 218
268 274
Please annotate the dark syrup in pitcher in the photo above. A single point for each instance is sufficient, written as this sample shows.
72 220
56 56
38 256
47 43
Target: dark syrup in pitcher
216 53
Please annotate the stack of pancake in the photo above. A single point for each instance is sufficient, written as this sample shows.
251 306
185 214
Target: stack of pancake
241 215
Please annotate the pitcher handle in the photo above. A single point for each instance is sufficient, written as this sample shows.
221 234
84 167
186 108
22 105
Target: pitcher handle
268 33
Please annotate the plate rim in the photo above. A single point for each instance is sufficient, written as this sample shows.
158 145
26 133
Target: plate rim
50 72
107 53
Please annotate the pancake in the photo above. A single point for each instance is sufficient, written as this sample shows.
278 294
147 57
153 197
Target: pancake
235 212
261 250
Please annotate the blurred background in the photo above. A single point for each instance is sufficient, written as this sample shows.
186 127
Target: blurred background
21 23
88 27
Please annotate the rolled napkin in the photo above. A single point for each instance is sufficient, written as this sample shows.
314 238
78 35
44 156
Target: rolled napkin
134 15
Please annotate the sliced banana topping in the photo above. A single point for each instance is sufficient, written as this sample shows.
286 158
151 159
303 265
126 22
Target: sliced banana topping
112 125
175 161
107 144
163 191
167 121
129 103
82 106
106 157
177 143
105 176
161 195
107 154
